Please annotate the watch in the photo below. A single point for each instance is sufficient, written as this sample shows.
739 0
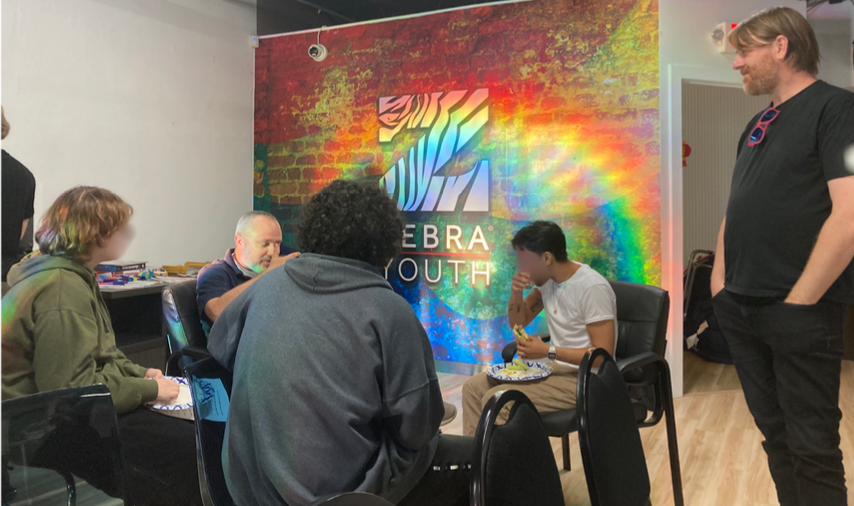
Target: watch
552 353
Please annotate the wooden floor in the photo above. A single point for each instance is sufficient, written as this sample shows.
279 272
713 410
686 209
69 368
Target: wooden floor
722 460
706 377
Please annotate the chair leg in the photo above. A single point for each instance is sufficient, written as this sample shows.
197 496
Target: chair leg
70 488
567 465
9 492
672 444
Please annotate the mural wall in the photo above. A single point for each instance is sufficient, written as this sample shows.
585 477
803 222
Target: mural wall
476 122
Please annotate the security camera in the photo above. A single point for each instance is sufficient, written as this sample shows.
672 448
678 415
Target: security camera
317 52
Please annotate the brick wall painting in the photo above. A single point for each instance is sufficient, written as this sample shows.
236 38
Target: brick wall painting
476 121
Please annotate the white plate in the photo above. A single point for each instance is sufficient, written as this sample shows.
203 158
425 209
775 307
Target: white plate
182 406
535 371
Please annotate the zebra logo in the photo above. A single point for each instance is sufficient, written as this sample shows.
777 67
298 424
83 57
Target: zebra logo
415 181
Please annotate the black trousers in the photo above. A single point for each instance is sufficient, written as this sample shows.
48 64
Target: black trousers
789 358
160 459
158 454
447 480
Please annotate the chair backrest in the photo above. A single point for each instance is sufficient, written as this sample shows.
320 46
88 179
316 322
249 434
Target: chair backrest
513 463
71 431
352 499
210 410
642 315
611 448
183 325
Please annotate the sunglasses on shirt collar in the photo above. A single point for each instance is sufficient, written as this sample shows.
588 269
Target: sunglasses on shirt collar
758 133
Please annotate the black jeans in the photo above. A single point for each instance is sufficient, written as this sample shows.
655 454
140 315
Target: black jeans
159 458
158 455
789 360
447 480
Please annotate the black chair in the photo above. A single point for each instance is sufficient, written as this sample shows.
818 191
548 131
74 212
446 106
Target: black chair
72 431
611 448
695 265
209 433
184 333
642 313
513 463
352 499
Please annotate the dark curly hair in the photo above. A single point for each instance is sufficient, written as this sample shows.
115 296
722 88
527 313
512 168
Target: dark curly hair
352 220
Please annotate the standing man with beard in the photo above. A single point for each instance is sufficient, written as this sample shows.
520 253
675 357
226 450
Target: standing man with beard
257 246
784 270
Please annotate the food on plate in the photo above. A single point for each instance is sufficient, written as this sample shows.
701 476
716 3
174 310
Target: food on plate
517 365
516 374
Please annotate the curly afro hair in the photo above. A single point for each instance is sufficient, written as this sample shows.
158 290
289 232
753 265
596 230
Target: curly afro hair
352 220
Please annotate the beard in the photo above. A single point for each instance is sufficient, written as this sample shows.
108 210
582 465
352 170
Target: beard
761 78
259 266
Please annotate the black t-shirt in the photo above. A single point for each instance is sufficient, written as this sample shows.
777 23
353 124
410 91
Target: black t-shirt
19 190
780 199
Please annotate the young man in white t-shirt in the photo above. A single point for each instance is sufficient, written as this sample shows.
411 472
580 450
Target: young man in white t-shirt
581 311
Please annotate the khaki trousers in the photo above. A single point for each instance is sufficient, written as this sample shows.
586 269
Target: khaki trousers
550 394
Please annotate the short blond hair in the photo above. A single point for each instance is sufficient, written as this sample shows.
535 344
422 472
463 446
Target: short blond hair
763 28
81 219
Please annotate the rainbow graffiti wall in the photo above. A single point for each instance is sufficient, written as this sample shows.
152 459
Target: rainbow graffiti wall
475 121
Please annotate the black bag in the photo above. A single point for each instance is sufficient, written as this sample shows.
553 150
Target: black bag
712 345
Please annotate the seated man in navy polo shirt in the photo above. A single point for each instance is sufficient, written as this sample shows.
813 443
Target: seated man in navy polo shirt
257 250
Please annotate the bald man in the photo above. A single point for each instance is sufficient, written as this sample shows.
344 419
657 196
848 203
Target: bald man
257 250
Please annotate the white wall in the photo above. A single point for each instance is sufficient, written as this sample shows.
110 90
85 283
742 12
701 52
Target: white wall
713 119
152 99
834 28
688 54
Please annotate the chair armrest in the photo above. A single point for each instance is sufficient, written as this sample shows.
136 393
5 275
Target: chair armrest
642 369
509 351
195 352
638 361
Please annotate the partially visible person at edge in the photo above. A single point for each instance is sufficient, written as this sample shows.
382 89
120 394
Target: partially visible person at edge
57 333
19 191
783 273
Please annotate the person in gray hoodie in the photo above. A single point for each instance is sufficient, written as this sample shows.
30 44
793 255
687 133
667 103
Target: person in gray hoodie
335 388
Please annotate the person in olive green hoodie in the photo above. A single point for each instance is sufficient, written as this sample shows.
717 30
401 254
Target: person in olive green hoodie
57 333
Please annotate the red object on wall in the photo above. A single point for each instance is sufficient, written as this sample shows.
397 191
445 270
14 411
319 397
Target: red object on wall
686 152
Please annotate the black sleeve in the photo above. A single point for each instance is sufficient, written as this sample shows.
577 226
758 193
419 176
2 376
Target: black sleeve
836 135
30 194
